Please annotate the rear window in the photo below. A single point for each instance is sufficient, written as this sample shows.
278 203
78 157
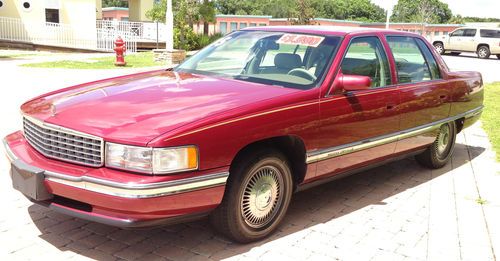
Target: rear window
490 33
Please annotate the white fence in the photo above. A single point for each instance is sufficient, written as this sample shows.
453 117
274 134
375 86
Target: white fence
64 35
142 30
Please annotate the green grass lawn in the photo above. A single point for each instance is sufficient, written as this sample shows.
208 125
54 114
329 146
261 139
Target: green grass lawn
491 115
133 61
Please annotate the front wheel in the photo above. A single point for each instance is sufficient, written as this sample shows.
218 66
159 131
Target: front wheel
256 199
440 152
483 52
439 48
498 56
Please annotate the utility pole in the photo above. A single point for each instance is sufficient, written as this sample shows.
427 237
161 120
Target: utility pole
388 14
169 21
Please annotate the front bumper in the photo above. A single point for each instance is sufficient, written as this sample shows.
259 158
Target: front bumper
109 196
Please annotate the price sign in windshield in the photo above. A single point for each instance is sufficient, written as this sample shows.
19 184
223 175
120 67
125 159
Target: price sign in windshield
300 39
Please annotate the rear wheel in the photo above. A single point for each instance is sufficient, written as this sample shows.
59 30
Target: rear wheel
483 52
440 152
256 199
439 48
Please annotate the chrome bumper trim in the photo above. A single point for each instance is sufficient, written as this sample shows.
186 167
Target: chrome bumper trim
131 190
8 152
337 151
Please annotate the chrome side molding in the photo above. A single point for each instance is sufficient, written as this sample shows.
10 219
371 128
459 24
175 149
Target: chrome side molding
328 153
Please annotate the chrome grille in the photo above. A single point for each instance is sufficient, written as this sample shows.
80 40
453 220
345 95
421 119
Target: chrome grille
64 144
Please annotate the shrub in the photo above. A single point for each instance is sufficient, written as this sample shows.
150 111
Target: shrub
189 40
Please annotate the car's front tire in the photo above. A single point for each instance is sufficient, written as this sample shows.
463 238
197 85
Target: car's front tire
439 48
256 199
483 52
440 152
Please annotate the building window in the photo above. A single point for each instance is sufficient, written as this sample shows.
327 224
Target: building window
52 15
262 24
253 24
436 33
445 33
243 25
223 27
124 18
234 26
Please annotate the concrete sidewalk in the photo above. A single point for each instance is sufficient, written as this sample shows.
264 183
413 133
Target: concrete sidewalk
395 212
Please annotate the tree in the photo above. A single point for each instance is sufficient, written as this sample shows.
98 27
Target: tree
359 10
114 3
207 14
302 14
423 11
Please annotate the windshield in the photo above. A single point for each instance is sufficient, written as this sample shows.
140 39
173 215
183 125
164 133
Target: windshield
275 58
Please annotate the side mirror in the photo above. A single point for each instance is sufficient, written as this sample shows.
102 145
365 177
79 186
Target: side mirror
355 82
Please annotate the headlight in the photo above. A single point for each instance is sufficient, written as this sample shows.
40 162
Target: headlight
151 160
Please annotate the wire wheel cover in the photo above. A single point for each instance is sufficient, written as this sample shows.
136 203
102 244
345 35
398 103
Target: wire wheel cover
262 197
443 140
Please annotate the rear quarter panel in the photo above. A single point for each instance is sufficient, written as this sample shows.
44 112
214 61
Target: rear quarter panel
467 91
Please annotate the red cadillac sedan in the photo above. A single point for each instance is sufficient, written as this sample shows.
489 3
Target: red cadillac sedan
240 126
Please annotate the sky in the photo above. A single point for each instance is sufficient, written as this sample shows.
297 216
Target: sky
477 8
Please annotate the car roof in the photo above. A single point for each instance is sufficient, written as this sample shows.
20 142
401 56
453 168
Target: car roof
323 29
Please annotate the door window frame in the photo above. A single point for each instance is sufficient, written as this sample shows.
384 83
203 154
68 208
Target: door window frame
331 89
395 66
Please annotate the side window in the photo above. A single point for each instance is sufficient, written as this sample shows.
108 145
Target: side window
470 32
410 63
459 32
488 33
431 61
366 56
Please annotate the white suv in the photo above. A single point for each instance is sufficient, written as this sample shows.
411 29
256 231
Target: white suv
482 41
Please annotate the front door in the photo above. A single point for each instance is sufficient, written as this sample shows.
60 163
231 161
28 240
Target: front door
353 122
455 40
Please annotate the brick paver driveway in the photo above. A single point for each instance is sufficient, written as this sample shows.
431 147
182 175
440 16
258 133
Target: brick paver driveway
399 211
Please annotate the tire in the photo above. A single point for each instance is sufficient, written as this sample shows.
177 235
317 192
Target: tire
498 56
439 48
483 52
256 199
455 53
440 152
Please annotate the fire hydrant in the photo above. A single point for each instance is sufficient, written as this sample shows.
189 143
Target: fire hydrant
120 50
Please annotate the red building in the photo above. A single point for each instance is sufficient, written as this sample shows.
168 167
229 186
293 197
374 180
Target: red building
228 23
115 13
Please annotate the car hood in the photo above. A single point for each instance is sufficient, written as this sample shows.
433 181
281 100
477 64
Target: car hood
138 108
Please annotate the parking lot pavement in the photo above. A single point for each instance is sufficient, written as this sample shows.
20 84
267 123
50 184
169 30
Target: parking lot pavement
399 211
489 68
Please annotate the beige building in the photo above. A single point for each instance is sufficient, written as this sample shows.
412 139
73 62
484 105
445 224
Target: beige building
50 22
138 8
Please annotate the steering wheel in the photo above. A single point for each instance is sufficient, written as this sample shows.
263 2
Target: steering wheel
303 73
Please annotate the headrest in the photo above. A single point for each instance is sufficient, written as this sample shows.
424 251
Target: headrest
287 60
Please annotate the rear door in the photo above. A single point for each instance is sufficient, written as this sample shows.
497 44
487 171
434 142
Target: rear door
469 40
424 94
352 120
